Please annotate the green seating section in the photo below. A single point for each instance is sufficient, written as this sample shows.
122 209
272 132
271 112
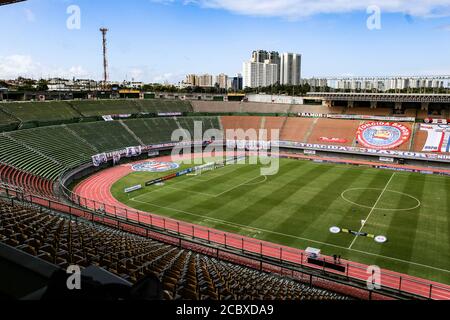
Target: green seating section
153 130
18 156
105 107
40 111
164 106
56 142
206 122
104 136
7 122
12 114
49 151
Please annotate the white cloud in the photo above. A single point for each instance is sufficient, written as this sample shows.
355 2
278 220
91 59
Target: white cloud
445 27
137 74
14 66
166 77
29 15
304 8
17 65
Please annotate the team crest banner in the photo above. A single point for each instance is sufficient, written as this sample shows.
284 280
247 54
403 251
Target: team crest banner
383 135
155 166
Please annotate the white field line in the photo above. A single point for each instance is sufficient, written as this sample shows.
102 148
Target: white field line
288 235
190 191
171 186
237 186
373 209
203 193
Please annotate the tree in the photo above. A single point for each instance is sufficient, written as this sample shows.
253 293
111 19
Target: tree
42 85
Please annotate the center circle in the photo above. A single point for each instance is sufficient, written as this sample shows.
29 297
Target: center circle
415 203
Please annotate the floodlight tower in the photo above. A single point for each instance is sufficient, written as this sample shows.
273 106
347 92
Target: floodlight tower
105 57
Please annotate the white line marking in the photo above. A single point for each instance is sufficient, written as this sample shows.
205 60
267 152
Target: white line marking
289 236
373 209
419 203
237 186
190 191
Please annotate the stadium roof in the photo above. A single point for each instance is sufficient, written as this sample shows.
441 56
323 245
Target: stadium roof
4 2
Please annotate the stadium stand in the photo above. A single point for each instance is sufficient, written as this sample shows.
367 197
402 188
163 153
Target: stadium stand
216 107
273 123
105 107
330 128
26 182
207 123
48 151
32 114
7 121
56 142
411 113
370 112
420 139
266 108
163 106
317 109
184 274
241 122
12 153
152 130
40 111
295 129
104 136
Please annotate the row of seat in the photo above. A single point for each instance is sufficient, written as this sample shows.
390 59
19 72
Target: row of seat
51 111
184 274
49 151
316 130
26 181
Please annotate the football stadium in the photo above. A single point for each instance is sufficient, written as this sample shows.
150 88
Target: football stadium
117 193
71 180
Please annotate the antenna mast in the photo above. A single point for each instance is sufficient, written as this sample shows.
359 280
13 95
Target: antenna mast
105 58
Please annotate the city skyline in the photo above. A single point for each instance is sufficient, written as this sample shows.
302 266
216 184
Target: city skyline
160 41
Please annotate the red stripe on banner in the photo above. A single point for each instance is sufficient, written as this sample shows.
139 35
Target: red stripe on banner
442 142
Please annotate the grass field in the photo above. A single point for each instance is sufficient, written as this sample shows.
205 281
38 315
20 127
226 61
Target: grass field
298 206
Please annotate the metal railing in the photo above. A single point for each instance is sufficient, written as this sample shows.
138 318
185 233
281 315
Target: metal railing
403 284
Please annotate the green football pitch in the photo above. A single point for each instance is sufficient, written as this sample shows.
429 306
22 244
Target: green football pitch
297 207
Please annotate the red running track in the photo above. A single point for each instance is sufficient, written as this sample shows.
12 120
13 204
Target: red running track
94 193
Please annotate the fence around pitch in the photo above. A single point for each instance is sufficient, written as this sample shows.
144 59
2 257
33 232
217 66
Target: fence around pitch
400 283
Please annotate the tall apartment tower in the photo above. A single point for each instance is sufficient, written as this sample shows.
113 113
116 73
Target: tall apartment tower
222 81
272 57
260 56
290 69
257 74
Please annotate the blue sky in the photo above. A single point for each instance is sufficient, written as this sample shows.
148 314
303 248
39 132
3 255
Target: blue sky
162 40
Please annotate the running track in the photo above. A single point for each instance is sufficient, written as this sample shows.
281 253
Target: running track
97 188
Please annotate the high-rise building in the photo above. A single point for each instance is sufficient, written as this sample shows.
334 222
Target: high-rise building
237 83
260 56
258 74
290 69
205 80
273 57
191 80
222 81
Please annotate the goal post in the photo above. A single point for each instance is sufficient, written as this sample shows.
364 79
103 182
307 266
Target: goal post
198 170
